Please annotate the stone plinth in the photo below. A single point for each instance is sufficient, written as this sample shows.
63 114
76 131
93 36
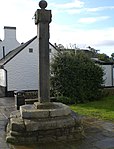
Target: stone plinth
43 123
44 110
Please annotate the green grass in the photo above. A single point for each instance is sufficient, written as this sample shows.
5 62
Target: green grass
102 109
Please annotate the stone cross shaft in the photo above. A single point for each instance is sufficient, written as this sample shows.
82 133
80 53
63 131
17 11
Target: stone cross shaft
42 20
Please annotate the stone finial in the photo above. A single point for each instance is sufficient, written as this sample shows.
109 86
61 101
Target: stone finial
43 4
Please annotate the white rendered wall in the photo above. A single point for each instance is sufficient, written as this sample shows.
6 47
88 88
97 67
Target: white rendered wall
107 75
22 70
52 53
113 76
10 42
2 77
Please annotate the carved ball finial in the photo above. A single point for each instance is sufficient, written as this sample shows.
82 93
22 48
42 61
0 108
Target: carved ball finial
43 4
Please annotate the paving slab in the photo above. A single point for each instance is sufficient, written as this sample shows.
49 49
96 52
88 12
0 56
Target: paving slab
105 144
6 106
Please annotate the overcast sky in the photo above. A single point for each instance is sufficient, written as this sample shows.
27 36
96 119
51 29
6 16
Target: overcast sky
81 22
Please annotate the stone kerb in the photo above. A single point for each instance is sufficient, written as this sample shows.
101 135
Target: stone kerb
47 110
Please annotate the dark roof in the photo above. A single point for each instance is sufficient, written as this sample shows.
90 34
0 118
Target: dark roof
96 60
106 63
53 46
14 52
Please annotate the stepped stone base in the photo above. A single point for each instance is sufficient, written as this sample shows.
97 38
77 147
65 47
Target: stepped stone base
47 122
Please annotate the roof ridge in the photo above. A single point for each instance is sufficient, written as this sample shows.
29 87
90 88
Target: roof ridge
14 52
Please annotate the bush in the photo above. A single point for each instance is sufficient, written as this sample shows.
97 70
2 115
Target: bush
75 76
65 100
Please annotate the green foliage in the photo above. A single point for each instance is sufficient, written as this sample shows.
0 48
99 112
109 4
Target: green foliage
75 76
112 57
65 100
103 57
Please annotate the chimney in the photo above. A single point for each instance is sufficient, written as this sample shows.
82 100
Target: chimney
9 32
10 42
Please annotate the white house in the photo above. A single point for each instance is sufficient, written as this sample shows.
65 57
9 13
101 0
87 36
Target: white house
108 74
10 42
19 68
108 68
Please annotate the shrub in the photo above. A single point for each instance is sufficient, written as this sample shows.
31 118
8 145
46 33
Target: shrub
75 76
65 100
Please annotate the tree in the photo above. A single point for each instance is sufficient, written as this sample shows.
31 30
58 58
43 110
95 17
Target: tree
70 48
103 57
60 47
112 55
94 51
76 77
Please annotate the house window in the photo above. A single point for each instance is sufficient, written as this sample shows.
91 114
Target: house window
49 50
30 50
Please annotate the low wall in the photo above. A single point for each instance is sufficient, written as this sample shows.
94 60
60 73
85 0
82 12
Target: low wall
108 91
2 91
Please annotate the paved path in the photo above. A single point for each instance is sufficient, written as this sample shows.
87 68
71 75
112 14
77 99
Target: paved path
6 106
98 134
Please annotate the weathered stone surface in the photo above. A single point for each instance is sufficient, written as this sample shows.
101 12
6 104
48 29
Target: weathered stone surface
28 111
24 133
21 139
44 129
45 124
10 139
55 121
35 125
15 114
17 124
31 101
44 110
107 143
59 112
49 105
65 122
42 20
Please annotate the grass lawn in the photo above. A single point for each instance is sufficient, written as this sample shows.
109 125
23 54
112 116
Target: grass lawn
102 109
